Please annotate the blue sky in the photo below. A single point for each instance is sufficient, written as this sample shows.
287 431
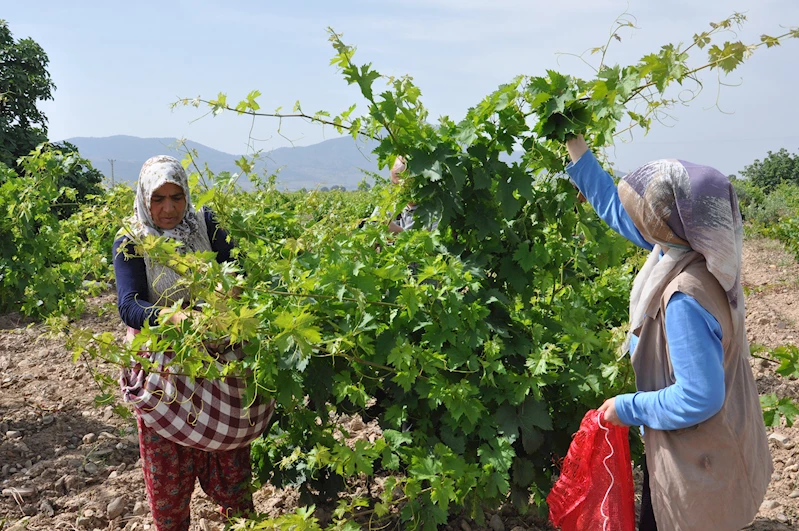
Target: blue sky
119 65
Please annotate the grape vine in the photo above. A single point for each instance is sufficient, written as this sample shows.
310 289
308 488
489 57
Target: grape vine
477 347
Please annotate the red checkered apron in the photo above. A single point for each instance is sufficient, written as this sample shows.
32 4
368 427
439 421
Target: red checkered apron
200 413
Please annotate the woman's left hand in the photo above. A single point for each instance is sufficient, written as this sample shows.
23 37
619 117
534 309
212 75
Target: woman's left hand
576 147
217 347
609 409
234 293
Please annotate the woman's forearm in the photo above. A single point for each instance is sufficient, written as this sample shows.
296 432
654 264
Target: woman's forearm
600 190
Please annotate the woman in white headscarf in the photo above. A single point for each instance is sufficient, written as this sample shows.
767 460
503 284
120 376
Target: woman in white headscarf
188 429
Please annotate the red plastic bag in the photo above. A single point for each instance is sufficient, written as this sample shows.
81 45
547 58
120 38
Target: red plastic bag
595 488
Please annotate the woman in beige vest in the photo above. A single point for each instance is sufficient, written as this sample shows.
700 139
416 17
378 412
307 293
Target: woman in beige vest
707 459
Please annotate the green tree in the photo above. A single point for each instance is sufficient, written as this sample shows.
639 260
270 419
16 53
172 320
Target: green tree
82 178
49 264
776 168
24 81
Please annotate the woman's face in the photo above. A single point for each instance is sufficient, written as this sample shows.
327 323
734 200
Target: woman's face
167 206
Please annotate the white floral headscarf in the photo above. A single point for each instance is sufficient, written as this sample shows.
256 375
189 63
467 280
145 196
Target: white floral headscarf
164 284
155 173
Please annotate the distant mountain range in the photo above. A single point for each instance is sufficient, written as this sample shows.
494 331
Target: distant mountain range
339 161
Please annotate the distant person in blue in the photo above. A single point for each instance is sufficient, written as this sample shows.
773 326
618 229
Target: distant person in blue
405 219
707 459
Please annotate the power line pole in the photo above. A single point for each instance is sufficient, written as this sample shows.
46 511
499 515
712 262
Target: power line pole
112 171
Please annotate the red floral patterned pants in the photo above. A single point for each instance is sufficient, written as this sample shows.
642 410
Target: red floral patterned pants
170 470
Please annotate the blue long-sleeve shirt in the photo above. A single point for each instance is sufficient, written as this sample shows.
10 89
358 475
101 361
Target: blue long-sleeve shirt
693 334
131 276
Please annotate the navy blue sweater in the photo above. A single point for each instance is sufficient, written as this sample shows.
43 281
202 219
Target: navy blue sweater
131 276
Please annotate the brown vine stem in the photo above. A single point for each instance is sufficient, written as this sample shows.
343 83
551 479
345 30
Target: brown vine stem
91 371
703 67
350 357
371 100
722 26
125 365
640 89
356 359
620 23
327 297
398 500
281 116
758 356
304 116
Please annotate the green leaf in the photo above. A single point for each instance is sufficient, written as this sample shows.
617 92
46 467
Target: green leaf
442 491
345 389
525 257
528 419
218 105
390 460
769 41
496 458
204 198
425 468
410 299
729 57
702 39
788 409
508 202
396 438
523 472
297 331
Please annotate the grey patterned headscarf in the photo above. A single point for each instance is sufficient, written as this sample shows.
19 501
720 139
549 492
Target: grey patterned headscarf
682 207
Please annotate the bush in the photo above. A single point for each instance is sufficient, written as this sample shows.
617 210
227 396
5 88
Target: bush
44 261
81 177
749 195
776 168
780 204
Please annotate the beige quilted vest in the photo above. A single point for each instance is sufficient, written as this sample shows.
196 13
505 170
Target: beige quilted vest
712 476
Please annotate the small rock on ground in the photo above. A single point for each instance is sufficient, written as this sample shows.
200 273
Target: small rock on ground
496 523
